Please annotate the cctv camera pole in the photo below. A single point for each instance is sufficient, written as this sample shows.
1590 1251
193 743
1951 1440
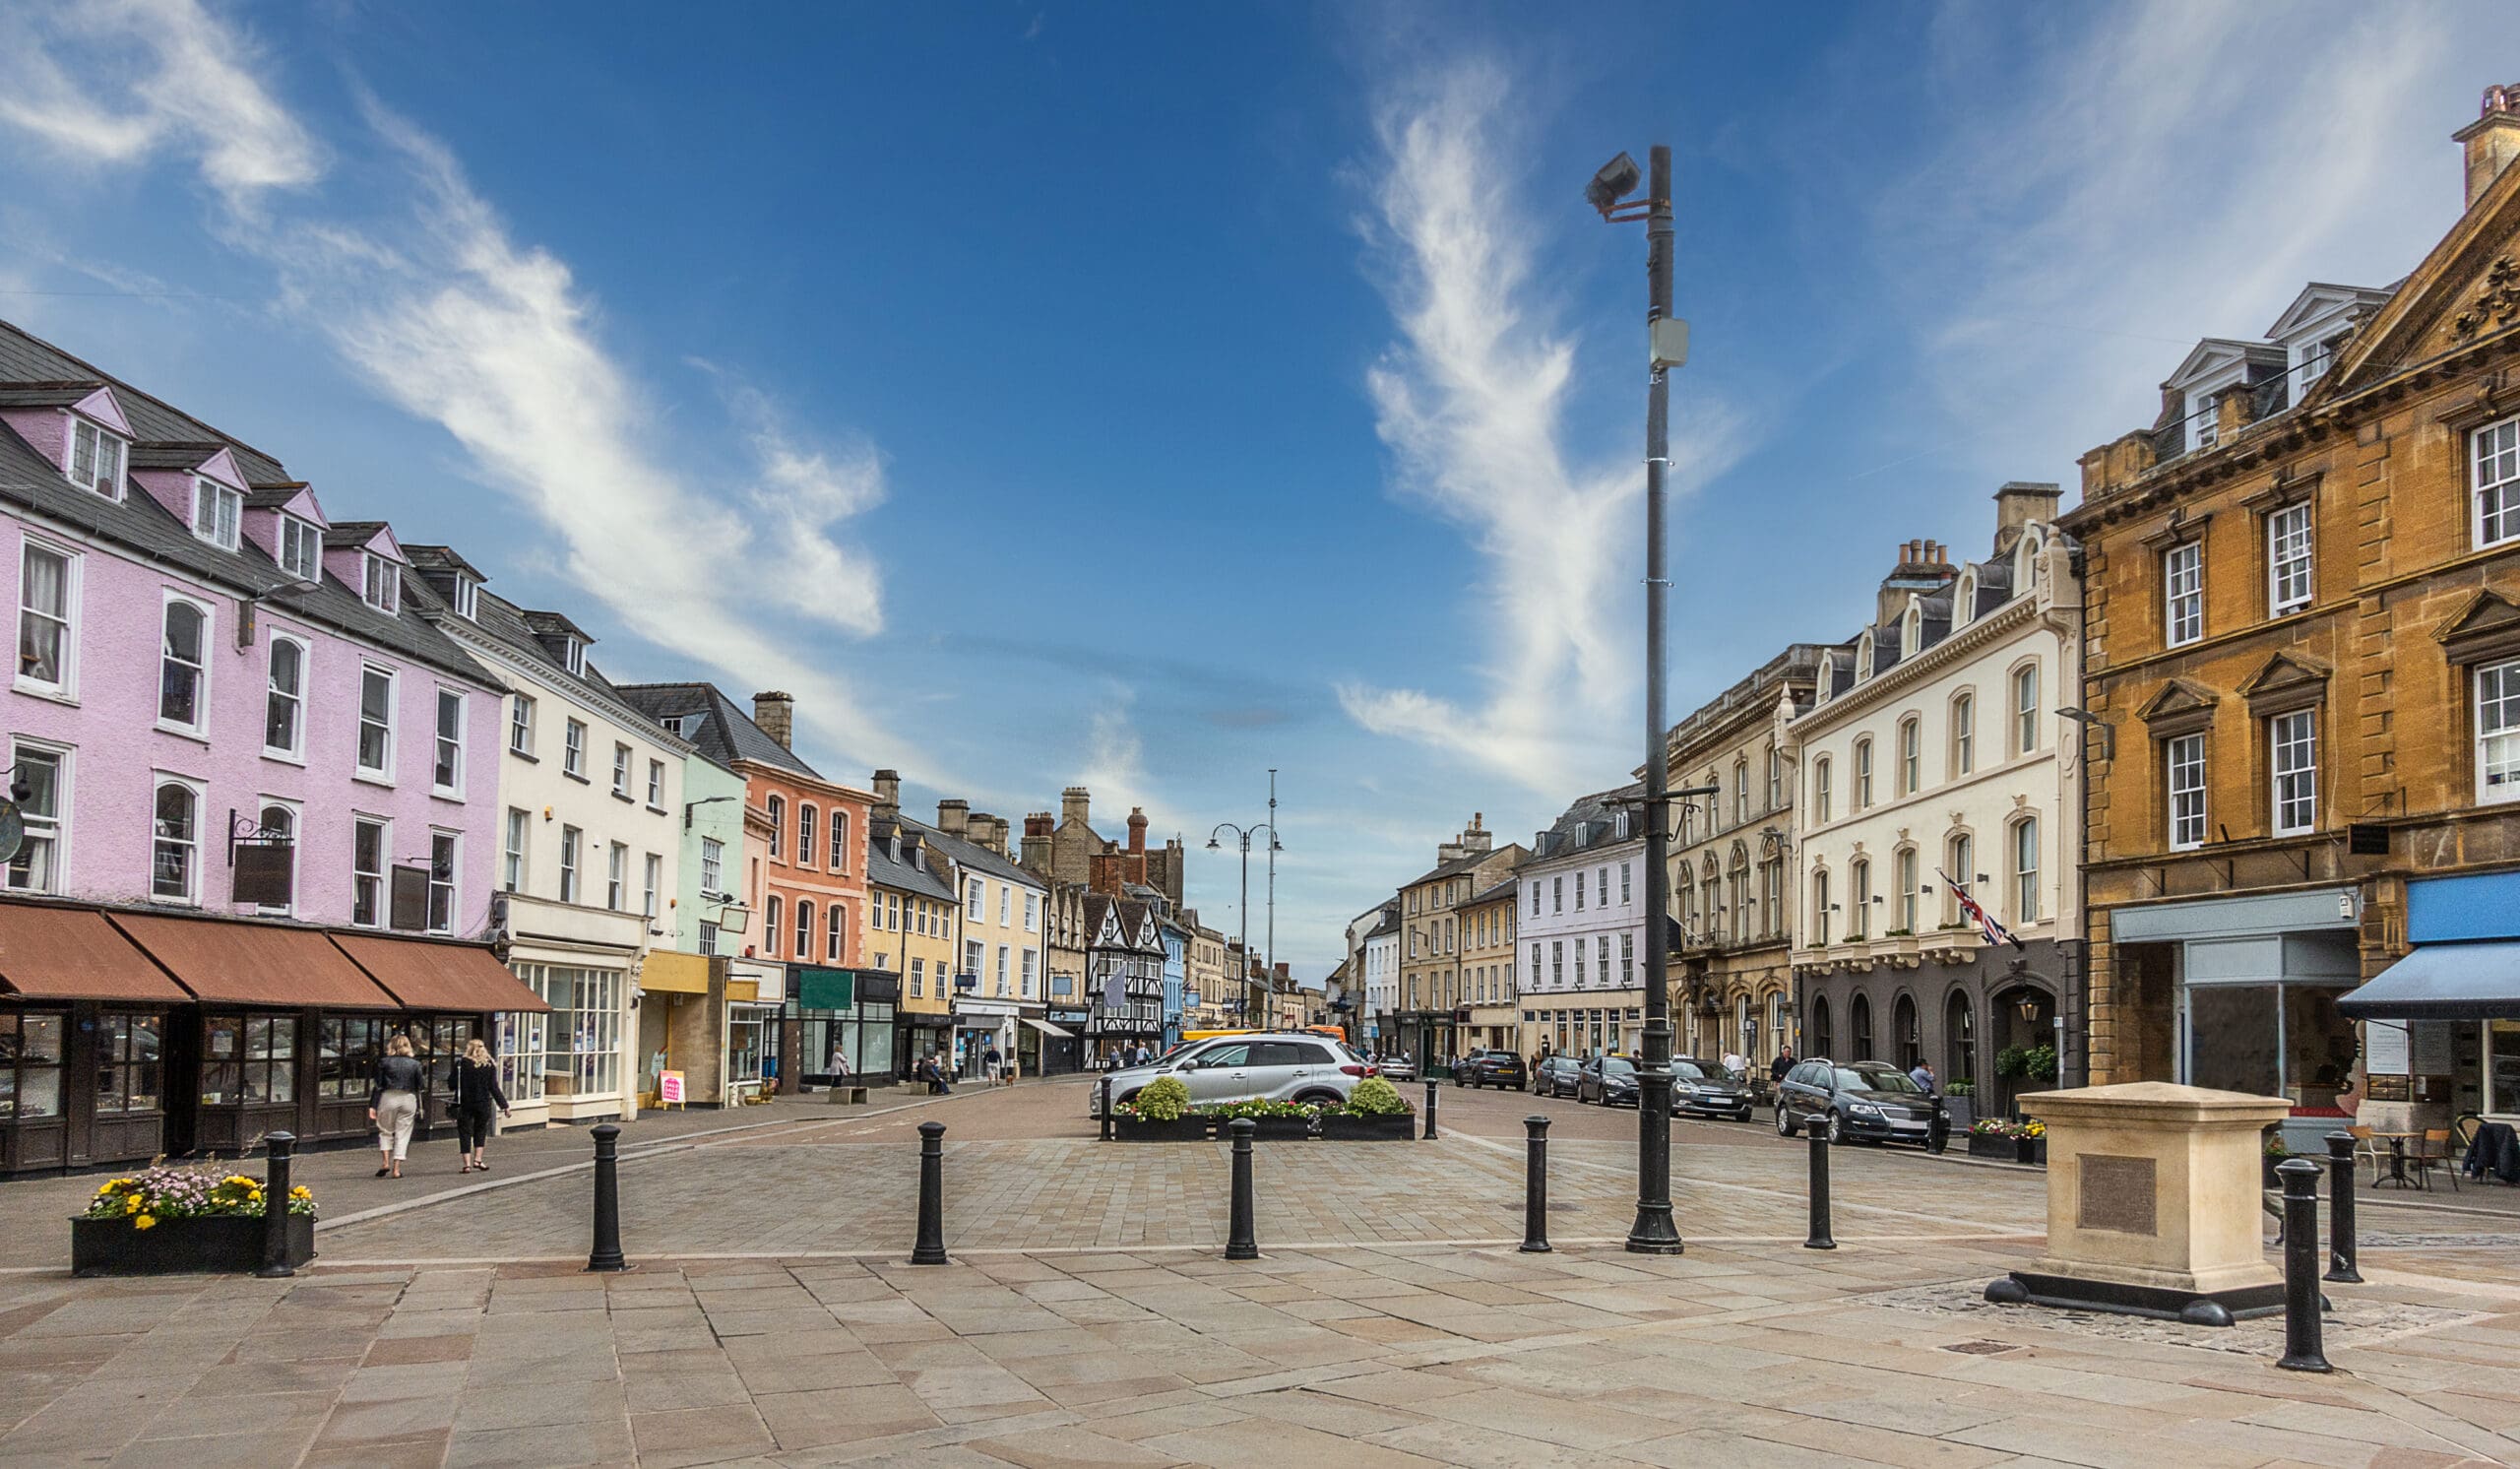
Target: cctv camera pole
1653 1232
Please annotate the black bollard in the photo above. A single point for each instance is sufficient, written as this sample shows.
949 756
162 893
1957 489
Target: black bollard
1820 1238
929 1248
1938 1131
606 1254
1431 1107
2341 1253
1241 1241
2301 1325
1107 1109
1536 1186
275 1207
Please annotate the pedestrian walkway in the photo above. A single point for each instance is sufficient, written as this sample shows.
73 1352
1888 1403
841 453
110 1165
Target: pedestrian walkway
1380 1357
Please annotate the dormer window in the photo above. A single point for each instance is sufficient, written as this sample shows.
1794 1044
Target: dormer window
301 547
1911 632
468 598
573 656
2202 430
1863 657
1964 602
380 583
2309 362
217 511
96 459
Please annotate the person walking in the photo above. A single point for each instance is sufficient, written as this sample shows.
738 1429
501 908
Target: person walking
1783 1063
993 1064
474 1081
393 1104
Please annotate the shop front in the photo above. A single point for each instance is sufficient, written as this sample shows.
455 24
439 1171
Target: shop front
576 1062
981 1026
2441 1026
1579 1023
2254 985
846 1022
750 1000
83 1023
1056 1042
679 1030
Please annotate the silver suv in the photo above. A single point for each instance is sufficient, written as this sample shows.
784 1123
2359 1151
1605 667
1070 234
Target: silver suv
1262 1067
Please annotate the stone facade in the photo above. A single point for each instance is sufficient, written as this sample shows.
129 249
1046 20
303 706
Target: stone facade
1488 968
1434 1006
2304 610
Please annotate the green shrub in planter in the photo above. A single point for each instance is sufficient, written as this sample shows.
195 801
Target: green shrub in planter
1375 1098
1963 1087
1162 1100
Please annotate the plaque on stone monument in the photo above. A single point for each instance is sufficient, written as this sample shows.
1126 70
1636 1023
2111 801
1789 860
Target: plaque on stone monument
2117 1193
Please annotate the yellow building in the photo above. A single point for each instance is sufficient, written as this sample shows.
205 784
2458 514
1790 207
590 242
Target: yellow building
911 931
1433 1000
1487 968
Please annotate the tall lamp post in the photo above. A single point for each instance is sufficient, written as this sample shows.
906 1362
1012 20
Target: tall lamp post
1653 1232
1242 836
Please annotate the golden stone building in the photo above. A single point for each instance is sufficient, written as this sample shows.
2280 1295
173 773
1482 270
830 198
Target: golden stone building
1488 989
1432 1018
2303 610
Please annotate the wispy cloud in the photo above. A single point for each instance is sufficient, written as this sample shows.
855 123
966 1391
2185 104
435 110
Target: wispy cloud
448 317
1471 401
2142 175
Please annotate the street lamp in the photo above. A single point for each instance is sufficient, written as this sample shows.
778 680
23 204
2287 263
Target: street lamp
1653 1232
1242 838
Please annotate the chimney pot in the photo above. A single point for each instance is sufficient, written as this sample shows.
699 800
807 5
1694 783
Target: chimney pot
2492 141
775 712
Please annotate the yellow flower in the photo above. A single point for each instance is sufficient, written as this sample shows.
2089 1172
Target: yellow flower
131 1204
145 1221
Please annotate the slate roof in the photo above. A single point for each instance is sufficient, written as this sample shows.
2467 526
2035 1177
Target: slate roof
150 455
1585 826
1995 589
977 857
1504 889
1098 903
349 534
29 483
1451 868
884 870
726 732
29 360
1390 924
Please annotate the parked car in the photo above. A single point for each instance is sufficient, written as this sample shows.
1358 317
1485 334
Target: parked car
1556 1076
1396 1068
1705 1088
1610 1080
1491 1069
1869 1101
1265 1066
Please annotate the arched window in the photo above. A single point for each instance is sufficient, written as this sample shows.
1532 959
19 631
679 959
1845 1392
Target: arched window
777 806
1820 1039
1904 872
1959 1040
804 929
836 927
1740 792
1741 893
1864 774
1864 656
1859 1026
1821 909
1911 631
279 821
1860 893
840 841
1964 734
1907 1042
1960 864
2024 870
1776 780
2025 708
1820 789
284 700
174 859
2026 568
1964 601
770 913
806 851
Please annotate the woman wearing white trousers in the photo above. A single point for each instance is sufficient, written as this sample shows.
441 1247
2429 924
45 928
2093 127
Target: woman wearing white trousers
393 1104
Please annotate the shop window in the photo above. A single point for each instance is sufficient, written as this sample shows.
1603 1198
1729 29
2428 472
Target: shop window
248 1059
129 1063
31 1065
346 1059
521 1045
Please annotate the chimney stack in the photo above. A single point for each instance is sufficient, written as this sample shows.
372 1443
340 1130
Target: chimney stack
2017 504
954 818
888 794
1137 830
1074 803
1038 826
2492 141
775 712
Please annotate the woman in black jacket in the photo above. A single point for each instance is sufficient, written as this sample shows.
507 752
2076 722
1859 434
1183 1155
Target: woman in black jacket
474 1081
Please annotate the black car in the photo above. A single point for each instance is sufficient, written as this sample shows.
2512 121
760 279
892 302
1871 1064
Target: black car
1557 1077
1491 1069
1869 1101
1610 1080
1706 1089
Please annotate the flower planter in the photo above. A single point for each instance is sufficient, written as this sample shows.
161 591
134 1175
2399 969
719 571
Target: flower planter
1395 1128
2032 1150
1268 1129
1984 1147
220 1244
1140 1130
1963 1110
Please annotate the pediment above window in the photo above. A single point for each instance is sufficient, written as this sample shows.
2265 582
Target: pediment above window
2486 629
2284 684
2178 707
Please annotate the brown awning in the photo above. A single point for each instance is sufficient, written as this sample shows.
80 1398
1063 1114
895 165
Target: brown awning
426 975
227 962
72 953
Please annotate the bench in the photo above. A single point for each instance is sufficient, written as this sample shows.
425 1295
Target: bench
848 1096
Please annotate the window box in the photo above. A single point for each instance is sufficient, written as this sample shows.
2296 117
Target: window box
217 1245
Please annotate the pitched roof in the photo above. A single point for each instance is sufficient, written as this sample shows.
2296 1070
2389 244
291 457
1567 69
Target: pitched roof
28 482
1504 889
724 733
974 856
899 873
25 358
1589 821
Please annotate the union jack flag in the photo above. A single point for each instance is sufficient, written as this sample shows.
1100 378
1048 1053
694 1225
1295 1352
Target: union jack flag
1995 933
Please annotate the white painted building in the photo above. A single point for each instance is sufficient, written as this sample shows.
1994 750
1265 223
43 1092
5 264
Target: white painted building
1580 915
1381 949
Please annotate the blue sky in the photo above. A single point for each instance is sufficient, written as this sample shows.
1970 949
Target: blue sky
1145 395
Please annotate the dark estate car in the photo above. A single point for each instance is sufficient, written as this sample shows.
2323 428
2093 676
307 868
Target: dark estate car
1870 1101
1610 1080
1703 1088
1556 1076
1491 1069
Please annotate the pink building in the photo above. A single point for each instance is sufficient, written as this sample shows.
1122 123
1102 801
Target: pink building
219 708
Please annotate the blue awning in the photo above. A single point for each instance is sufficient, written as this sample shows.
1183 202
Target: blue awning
2443 982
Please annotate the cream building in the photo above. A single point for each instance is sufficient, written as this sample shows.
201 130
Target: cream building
1488 967
1731 967
1931 757
1433 1005
1582 930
